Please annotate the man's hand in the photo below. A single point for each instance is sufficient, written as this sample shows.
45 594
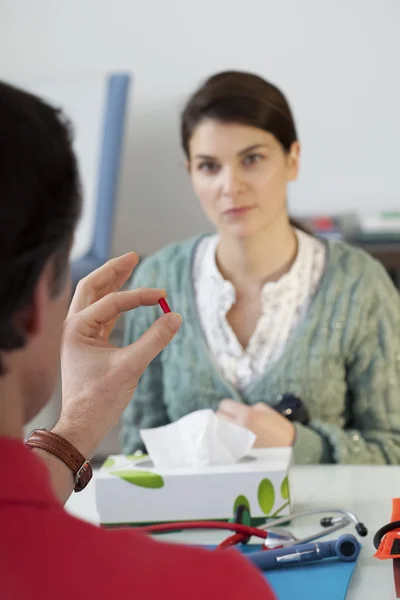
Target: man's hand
99 379
270 427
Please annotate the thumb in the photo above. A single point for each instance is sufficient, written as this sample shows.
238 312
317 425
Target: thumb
140 354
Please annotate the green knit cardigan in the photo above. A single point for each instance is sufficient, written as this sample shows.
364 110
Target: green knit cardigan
342 360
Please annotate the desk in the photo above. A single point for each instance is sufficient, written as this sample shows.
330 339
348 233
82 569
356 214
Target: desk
365 490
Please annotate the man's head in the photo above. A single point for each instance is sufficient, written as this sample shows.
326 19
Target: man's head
40 203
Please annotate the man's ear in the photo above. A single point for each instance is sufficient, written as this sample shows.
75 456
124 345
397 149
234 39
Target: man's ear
293 161
29 321
187 166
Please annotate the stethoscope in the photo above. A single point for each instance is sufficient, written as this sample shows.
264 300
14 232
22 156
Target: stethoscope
273 538
329 524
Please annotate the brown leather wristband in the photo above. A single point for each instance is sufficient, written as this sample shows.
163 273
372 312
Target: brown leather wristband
59 447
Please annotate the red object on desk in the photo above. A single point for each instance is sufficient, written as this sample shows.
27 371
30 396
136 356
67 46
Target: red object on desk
187 525
389 547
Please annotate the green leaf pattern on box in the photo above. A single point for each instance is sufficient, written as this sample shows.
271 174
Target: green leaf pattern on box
266 496
241 500
121 466
145 479
285 488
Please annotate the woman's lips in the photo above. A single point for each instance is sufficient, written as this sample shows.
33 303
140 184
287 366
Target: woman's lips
238 211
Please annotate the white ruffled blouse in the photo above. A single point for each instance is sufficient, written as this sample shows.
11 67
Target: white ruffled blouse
284 303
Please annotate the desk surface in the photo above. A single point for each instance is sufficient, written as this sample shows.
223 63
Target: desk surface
365 490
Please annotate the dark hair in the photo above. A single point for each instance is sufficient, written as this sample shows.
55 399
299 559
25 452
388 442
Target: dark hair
40 203
236 97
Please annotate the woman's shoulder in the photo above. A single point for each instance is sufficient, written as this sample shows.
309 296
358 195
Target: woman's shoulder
168 262
358 269
351 258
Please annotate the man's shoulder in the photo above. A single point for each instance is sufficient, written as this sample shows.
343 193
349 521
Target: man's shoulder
172 569
114 560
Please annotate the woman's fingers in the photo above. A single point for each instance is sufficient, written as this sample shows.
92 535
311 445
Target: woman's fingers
234 411
251 417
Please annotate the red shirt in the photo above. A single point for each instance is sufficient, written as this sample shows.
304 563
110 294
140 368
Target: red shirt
46 554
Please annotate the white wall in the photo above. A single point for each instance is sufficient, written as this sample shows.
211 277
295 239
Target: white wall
338 61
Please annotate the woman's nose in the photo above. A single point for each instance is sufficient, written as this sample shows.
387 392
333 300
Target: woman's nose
231 182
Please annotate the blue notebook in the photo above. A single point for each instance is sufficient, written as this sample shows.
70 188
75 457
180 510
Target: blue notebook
328 579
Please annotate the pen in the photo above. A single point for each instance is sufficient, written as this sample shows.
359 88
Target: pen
345 548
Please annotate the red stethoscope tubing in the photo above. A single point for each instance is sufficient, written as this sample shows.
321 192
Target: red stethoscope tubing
232 540
241 532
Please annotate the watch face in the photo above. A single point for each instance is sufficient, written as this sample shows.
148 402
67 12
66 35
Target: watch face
33 431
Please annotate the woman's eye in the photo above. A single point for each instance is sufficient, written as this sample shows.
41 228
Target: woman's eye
252 159
208 167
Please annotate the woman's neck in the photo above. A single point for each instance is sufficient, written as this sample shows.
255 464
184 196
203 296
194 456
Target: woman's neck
258 259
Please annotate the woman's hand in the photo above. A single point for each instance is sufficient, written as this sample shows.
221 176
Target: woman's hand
270 427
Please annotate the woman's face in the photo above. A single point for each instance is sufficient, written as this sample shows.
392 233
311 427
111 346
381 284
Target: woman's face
240 174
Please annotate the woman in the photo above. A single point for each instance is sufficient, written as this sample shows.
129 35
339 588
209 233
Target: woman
268 309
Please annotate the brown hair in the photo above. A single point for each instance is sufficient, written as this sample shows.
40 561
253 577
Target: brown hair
239 97
41 201
236 97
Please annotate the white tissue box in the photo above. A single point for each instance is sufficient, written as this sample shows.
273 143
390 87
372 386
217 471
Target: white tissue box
131 491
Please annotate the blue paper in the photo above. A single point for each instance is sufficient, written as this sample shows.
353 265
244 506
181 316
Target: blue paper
328 579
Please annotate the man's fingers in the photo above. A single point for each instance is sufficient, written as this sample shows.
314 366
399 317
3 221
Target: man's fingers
111 306
113 274
151 343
